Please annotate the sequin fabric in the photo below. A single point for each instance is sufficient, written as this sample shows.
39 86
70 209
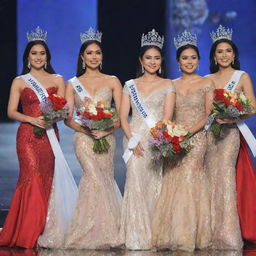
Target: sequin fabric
27 213
220 161
143 179
182 215
96 220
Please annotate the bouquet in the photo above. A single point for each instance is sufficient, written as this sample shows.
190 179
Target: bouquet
97 116
54 107
169 139
228 105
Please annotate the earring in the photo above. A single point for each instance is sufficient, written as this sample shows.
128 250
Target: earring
83 65
29 66
101 66
160 70
198 67
142 69
179 67
216 63
233 62
45 65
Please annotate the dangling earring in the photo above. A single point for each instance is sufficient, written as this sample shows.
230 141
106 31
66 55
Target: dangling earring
216 63
83 65
101 66
179 67
160 70
142 69
29 66
45 65
198 67
233 62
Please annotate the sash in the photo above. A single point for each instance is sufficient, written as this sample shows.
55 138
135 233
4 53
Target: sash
242 126
64 189
79 88
145 115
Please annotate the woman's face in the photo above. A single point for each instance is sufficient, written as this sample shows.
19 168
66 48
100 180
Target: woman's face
37 56
151 60
92 56
188 60
224 54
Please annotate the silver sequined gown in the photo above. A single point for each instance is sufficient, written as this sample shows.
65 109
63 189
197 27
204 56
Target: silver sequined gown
143 180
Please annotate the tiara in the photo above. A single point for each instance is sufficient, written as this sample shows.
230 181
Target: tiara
38 34
185 38
152 38
91 34
221 33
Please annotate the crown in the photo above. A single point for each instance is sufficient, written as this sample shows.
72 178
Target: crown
38 34
152 38
91 34
185 38
221 33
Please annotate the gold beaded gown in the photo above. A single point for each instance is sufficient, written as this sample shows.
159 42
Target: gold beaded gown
143 179
182 214
96 219
221 161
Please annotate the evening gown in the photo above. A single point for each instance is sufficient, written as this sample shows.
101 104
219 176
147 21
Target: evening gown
221 159
96 219
27 214
182 215
143 178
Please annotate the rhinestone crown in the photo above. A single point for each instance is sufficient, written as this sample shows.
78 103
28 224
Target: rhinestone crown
91 34
221 33
152 38
185 38
38 34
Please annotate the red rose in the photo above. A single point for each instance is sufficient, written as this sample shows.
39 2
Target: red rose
57 101
176 148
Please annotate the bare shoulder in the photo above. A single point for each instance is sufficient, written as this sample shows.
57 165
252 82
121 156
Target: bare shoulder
57 78
245 77
167 82
112 81
18 83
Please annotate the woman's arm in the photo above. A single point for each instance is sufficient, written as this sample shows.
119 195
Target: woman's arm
169 106
208 107
69 95
14 98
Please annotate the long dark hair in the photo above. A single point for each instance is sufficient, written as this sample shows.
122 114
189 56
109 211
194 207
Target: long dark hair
184 47
215 68
80 70
141 54
25 68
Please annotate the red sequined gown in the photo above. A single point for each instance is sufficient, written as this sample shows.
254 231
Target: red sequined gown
28 209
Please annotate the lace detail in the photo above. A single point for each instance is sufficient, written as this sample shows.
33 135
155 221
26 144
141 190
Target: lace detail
182 217
143 179
98 206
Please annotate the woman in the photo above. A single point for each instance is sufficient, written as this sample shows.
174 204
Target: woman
182 215
143 179
222 154
96 219
27 213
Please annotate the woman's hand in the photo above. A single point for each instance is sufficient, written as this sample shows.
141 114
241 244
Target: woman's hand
98 134
38 121
138 151
226 121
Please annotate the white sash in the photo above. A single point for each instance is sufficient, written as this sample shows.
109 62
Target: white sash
64 189
242 126
145 115
79 88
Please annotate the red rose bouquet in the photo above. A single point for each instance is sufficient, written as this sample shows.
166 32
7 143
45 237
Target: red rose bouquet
228 105
97 116
169 139
54 107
